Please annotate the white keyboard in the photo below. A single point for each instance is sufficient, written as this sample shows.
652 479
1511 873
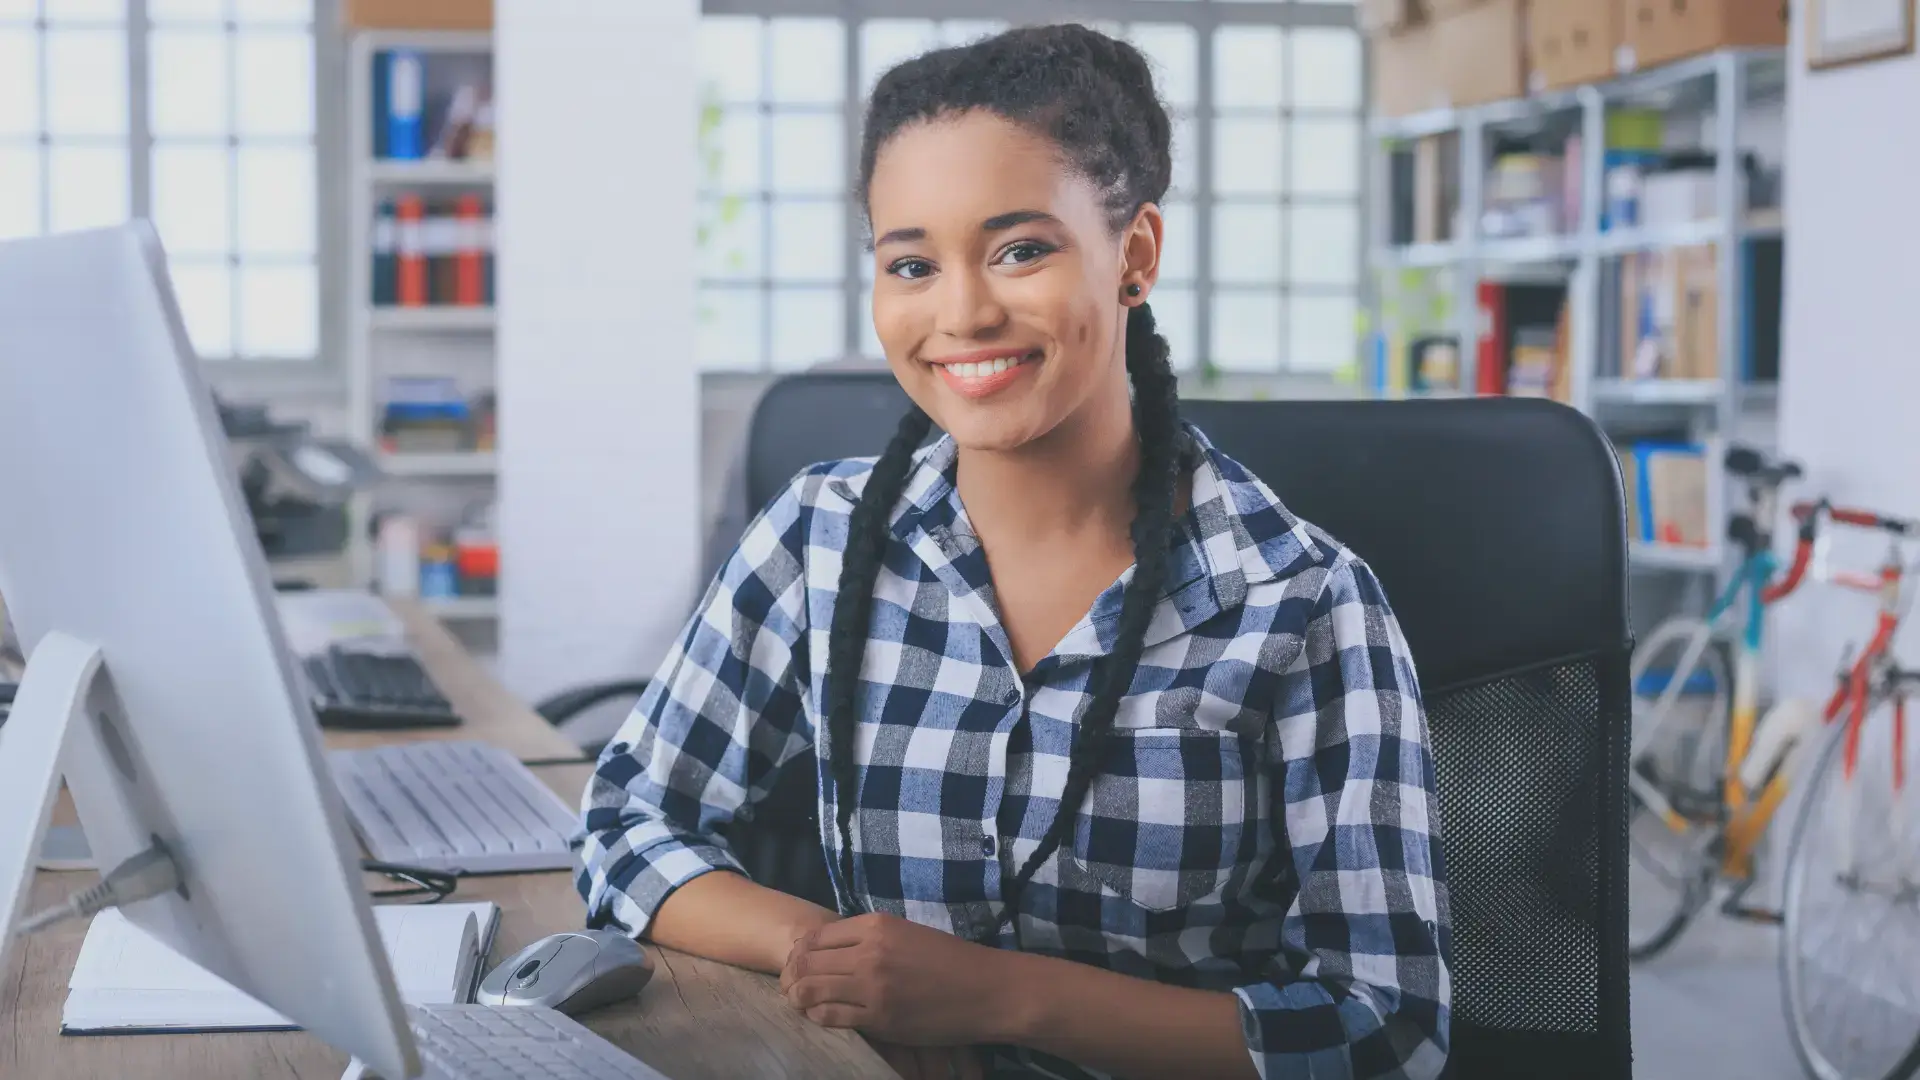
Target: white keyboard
454 806
481 1042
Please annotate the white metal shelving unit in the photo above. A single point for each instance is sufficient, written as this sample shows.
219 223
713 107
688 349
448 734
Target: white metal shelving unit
372 180
1718 82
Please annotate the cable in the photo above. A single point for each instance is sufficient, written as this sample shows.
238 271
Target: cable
146 875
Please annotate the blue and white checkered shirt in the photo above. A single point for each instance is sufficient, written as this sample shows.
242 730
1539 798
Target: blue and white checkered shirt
1264 822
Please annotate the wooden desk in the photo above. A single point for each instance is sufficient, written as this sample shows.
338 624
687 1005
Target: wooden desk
695 1020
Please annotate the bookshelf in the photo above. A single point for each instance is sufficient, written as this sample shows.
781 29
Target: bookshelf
435 340
1710 96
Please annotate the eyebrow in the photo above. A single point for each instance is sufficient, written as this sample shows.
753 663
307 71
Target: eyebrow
997 223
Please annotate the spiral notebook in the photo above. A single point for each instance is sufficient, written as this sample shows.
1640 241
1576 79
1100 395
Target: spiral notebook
127 982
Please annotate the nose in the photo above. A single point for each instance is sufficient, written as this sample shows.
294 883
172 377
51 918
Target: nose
968 308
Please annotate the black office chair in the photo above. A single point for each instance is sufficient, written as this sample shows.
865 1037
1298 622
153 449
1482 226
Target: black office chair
1497 529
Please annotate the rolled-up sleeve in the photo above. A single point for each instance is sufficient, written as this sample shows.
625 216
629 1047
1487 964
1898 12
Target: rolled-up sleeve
719 720
1360 987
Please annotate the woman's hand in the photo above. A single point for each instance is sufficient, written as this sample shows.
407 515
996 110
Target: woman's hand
898 981
930 1062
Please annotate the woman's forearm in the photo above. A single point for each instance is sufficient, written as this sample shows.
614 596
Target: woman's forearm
1119 1024
725 916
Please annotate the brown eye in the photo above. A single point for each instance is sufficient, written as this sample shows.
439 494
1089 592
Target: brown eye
910 269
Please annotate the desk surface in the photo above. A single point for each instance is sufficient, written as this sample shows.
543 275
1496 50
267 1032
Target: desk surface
695 1020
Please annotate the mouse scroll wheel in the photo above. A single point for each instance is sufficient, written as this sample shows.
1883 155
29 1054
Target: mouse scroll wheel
526 973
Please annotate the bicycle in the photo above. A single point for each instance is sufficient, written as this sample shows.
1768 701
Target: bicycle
1710 823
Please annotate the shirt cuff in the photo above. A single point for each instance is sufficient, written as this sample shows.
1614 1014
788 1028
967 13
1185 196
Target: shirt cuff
636 887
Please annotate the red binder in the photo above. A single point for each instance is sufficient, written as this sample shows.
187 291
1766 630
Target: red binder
412 251
469 271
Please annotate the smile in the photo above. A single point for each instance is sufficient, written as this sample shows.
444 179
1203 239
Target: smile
976 375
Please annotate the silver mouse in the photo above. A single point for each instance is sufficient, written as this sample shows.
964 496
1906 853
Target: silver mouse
572 972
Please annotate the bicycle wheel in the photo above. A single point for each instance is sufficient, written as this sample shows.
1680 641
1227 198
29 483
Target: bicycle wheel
1678 752
1850 947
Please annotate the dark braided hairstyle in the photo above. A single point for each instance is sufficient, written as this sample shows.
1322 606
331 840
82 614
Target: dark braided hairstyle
1093 97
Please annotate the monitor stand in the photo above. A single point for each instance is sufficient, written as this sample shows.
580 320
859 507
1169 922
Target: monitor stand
67 722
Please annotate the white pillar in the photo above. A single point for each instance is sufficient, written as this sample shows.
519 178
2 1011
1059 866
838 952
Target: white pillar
599 396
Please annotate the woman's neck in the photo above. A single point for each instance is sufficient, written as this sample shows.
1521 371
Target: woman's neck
1075 481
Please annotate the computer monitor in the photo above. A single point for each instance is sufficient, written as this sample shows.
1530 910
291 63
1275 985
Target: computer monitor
158 681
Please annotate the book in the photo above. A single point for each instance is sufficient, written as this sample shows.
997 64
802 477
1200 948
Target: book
127 981
406 92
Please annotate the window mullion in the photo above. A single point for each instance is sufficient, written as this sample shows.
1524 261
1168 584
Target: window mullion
139 113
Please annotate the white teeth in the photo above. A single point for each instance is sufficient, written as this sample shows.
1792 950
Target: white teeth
984 368
1001 365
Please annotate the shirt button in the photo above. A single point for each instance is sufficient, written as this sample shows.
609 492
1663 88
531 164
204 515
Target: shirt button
1012 698
988 846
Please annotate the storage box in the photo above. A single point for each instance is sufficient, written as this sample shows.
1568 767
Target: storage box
1440 9
1571 42
1483 52
1406 72
1661 31
417 14
1381 16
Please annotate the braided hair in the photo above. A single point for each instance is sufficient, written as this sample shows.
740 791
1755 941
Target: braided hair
1093 97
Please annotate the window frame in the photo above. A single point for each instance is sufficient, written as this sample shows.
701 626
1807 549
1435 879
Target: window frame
1205 17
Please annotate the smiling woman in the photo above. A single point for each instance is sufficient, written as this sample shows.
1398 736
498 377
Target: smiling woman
1125 766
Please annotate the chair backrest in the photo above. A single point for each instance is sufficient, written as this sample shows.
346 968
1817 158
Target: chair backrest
1497 529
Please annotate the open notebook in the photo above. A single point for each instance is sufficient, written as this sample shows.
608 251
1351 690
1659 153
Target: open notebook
126 981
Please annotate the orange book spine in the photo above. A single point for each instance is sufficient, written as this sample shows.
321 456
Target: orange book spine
468 269
412 251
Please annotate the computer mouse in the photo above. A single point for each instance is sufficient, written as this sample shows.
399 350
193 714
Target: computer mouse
572 972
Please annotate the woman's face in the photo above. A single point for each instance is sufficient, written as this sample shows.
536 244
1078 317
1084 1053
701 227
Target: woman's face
997 281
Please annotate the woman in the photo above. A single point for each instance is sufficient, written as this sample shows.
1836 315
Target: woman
1124 768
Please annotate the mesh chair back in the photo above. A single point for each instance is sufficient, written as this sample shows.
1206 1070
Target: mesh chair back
1497 529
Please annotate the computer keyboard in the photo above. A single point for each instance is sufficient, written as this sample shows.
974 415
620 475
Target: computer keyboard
483 1042
454 806
363 686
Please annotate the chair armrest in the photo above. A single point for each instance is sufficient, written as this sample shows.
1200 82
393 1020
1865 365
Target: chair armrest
568 704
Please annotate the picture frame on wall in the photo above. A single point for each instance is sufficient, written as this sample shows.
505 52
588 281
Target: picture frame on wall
1843 32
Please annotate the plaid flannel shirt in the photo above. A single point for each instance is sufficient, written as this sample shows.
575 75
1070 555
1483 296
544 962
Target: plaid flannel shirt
1264 821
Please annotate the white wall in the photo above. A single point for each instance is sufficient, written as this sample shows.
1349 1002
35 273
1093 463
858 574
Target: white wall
599 397
1850 384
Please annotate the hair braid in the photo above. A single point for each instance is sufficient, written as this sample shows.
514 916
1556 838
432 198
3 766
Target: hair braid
867 532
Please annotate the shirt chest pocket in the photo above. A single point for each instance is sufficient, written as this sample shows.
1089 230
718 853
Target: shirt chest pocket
1169 817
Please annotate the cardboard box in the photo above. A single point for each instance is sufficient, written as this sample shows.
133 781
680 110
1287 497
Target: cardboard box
1381 16
417 14
1483 52
1661 31
1440 9
1572 42
1406 72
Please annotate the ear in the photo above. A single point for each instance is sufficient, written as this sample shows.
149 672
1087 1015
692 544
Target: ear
1140 252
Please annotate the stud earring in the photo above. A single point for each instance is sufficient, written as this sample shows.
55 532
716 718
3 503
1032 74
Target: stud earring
1133 290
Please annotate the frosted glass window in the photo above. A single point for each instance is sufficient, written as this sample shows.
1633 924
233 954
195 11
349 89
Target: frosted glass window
886 42
1177 319
19 10
1326 69
1247 157
193 200
729 336
809 326
808 61
86 10
1246 331
276 201
88 187
19 191
809 154
1174 51
967 31
1325 247
201 11
809 239
1247 67
205 292
279 311
276 71
1326 156
19 82
1179 241
870 346
273 12
1246 243
730 67
734 231
188 92
733 151
1323 332
86 82
1186 143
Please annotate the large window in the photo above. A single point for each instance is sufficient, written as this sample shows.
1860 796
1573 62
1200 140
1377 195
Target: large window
1262 268
197 113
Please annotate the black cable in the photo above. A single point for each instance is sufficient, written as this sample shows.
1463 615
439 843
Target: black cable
436 885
